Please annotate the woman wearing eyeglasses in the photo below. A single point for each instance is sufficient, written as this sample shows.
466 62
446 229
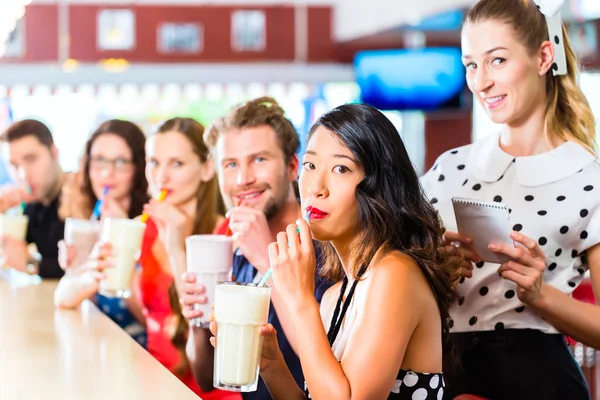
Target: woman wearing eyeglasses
113 168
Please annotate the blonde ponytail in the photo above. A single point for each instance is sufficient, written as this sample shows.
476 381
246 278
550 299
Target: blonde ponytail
568 113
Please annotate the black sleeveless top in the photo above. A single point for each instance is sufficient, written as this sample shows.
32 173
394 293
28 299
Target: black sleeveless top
409 385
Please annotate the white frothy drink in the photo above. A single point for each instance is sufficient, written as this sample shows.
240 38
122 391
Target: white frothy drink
82 234
210 258
14 226
240 310
125 236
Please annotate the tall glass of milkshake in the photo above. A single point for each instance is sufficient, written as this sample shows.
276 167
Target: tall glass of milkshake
125 236
240 310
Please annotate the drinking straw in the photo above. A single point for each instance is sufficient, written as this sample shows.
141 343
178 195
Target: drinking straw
98 207
228 231
161 197
21 209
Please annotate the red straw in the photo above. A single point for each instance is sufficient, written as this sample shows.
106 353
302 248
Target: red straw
228 231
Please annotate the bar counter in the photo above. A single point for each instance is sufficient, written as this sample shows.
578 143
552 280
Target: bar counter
81 354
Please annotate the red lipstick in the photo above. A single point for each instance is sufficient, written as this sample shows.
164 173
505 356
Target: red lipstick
315 213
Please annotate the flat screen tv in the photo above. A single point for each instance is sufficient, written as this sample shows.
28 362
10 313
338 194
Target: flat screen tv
427 79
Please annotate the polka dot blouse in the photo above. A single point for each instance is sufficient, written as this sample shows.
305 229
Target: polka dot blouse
553 197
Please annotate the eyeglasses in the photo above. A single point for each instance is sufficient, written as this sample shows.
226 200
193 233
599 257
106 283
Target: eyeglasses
119 164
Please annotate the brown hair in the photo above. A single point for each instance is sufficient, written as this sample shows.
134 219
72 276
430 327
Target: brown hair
394 213
28 127
210 206
568 113
136 141
258 112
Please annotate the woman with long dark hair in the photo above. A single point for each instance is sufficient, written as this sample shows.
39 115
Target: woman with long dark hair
380 330
113 167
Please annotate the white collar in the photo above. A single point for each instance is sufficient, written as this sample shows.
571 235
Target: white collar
489 162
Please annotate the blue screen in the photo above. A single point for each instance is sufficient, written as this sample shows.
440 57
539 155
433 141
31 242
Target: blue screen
411 79
447 21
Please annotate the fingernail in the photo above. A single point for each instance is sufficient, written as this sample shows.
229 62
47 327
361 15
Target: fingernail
492 246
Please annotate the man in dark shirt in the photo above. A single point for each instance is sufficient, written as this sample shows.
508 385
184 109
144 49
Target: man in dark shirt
34 163
255 148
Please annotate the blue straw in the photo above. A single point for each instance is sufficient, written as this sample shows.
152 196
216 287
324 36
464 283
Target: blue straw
98 207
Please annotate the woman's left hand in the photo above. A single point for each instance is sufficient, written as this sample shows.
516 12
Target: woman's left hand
293 262
170 221
526 268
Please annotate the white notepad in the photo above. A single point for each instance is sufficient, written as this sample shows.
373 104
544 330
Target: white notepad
485 222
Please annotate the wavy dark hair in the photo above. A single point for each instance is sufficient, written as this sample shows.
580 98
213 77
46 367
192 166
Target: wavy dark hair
210 206
394 213
136 141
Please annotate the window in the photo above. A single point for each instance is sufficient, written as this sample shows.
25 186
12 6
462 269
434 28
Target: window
248 30
185 38
15 42
116 30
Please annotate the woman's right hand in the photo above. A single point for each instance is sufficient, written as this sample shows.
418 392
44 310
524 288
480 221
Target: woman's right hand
171 223
271 354
452 244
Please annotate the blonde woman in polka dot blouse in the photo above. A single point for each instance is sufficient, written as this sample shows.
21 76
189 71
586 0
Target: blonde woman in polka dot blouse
509 321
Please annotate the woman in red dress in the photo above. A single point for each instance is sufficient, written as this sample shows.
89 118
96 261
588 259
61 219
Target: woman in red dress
179 162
